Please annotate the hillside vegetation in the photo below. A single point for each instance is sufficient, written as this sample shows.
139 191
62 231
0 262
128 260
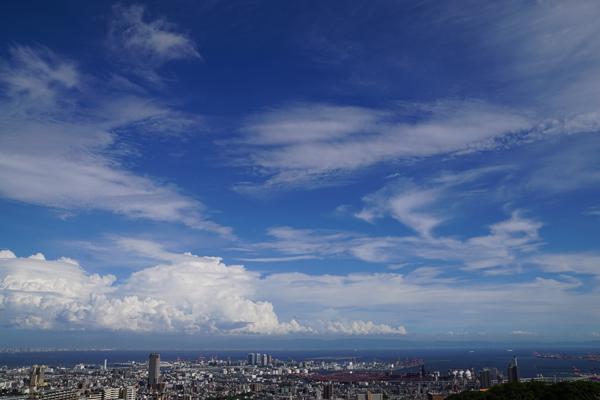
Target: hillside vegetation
580 390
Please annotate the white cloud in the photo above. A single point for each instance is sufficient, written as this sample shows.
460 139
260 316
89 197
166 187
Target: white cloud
507 245
519 332
4 254
310 142
412 204
37 74
580 263
502 249
147 44
451 305
185 294
67 157
549 77
550 54
572 165
305 242
593 211
428 275
305 123
278 259
364 328
404 203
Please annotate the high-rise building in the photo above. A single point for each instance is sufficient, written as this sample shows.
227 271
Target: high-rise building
251 358
264 360
110 393
513 371
485 378
105 364
36 376
128 393
61 394
94 396
153 369
328 391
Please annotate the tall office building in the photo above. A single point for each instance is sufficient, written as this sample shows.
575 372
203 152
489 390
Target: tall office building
252 358
328 391
36 376
486 378
513 371
153 369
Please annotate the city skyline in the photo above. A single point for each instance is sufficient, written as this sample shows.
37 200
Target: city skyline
263 172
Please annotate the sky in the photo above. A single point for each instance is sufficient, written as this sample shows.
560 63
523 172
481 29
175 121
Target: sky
234 171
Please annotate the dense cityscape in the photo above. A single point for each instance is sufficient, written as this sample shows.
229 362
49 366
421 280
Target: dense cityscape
260 376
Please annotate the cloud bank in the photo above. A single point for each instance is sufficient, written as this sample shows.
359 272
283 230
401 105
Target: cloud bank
183 294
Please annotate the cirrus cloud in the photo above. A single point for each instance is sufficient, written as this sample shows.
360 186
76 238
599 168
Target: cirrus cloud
145 44
308 143
60 148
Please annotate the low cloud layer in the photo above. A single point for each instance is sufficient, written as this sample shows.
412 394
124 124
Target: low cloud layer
182 294
186 294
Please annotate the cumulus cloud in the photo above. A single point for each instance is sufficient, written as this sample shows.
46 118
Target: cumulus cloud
7 254
66 156
186 293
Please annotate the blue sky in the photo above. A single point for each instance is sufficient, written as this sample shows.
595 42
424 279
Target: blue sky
387 170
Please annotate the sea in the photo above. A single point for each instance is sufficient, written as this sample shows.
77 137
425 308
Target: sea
435 359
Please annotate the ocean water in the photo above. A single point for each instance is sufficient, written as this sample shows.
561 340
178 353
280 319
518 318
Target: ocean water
436 359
